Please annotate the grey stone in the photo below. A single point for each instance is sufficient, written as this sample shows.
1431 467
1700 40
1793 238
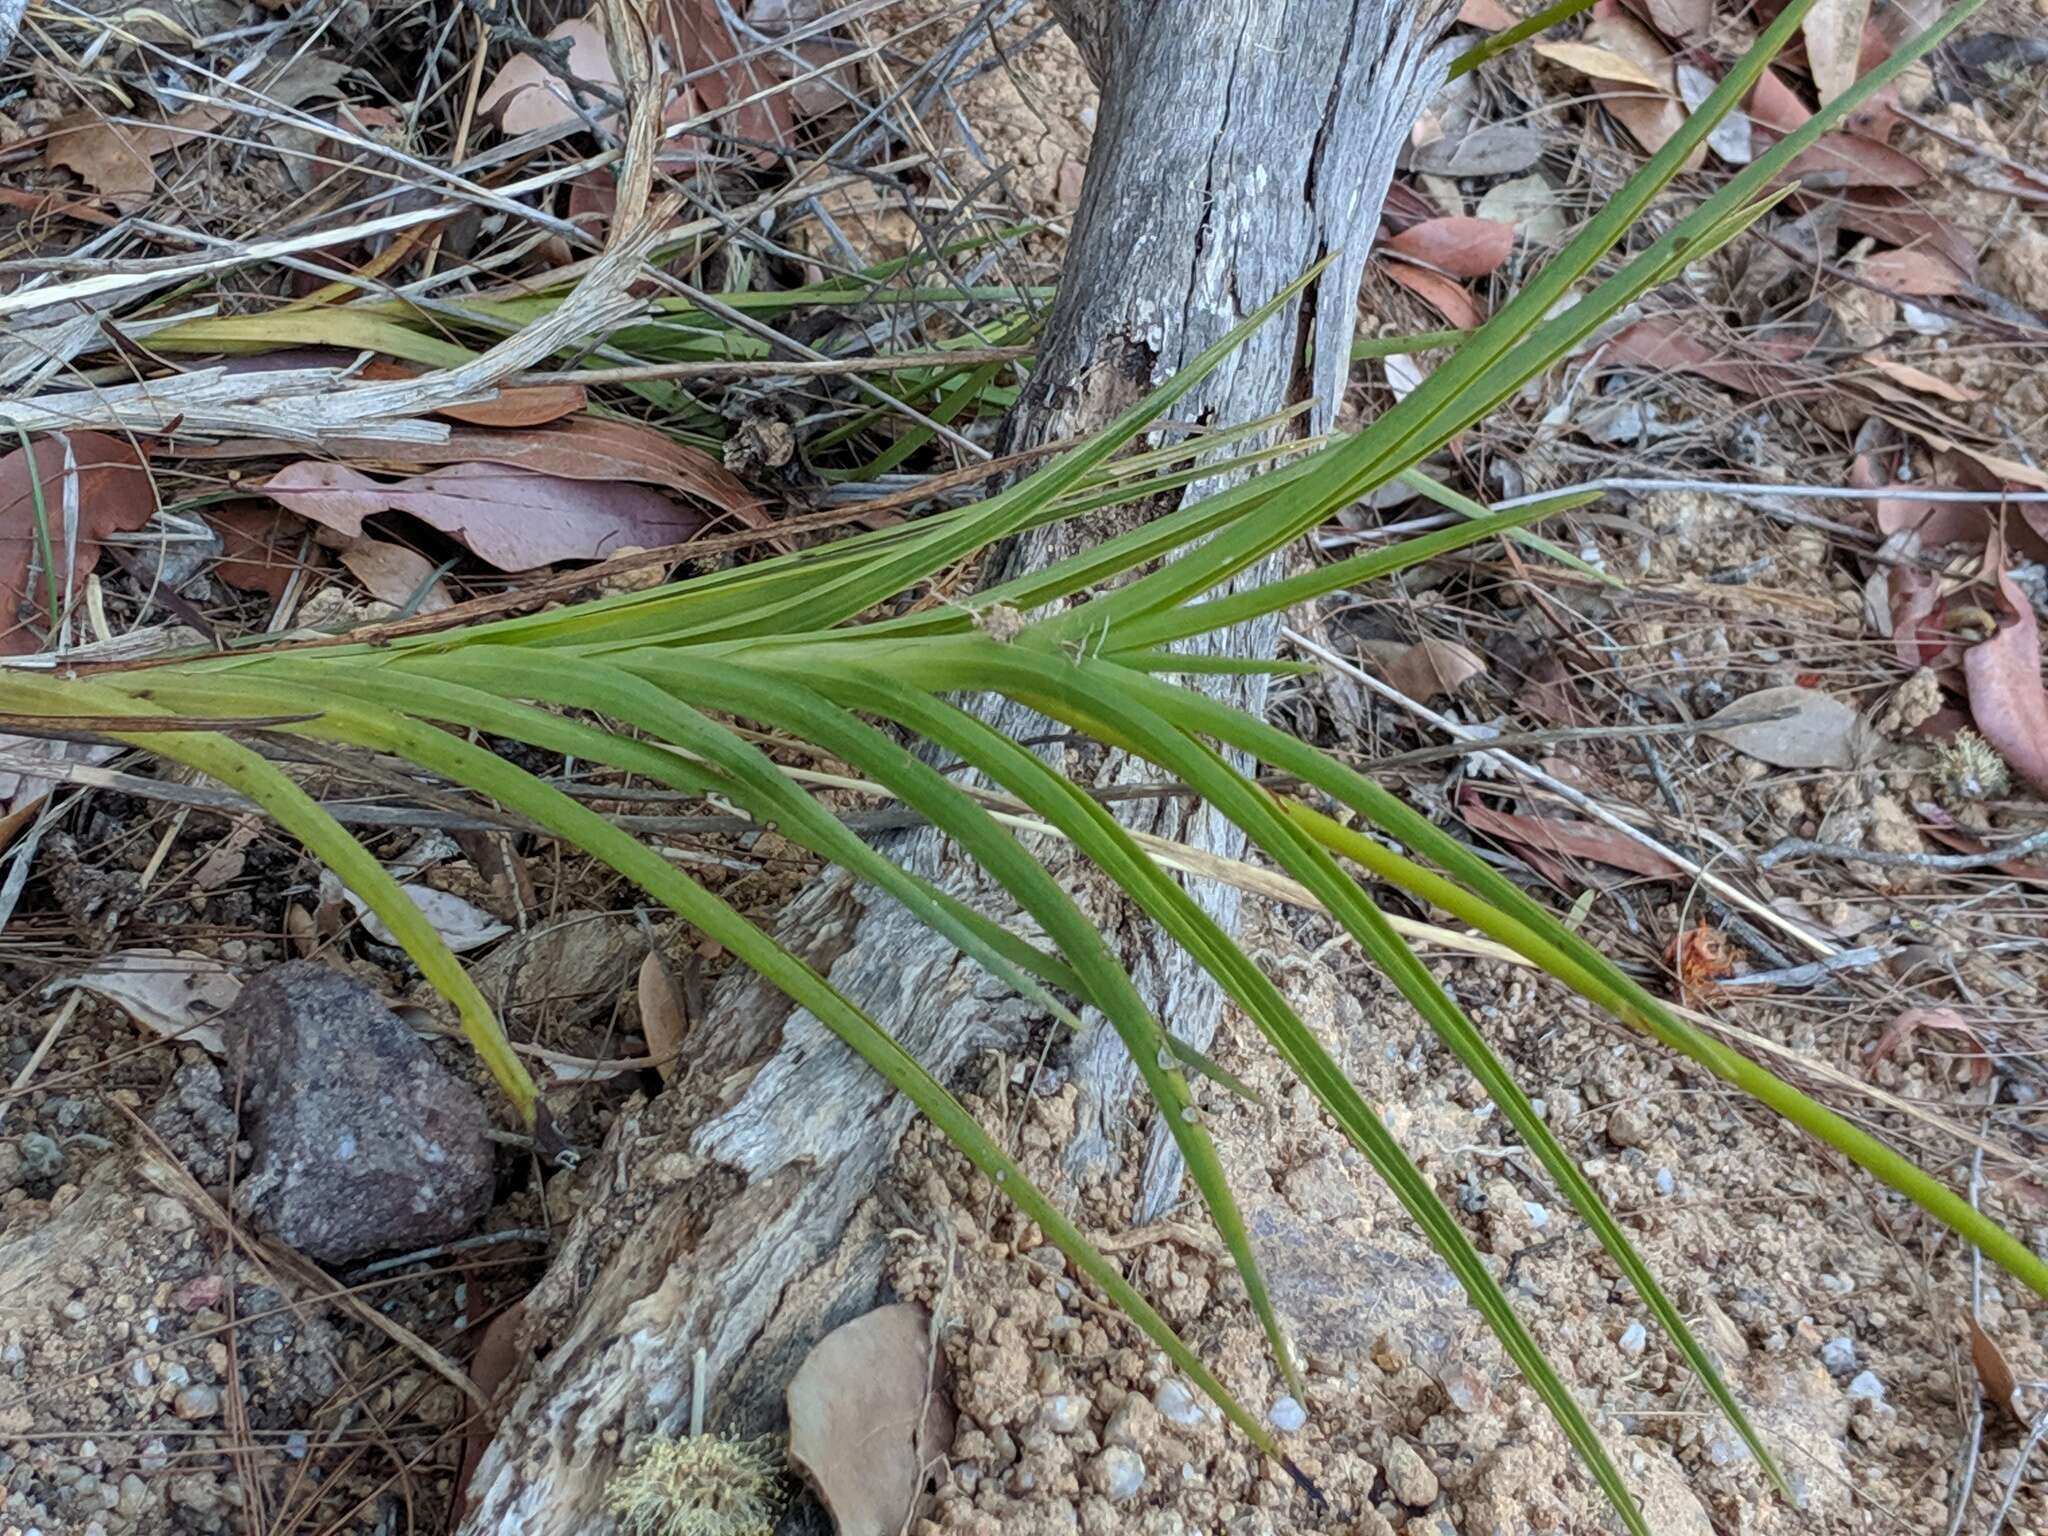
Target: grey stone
1866 1388
1287 1415
1409 1477
41 1158
1117 1474
363 1142
1628 1126
1839 1356
1634 1339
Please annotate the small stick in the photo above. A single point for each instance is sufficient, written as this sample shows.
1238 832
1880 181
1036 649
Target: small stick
1792 847
769 368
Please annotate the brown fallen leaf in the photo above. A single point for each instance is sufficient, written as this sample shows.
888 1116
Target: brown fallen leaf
662 1020
2003 674
1909 1022
1431 667
259 546
1817 730
1461 247
1917 379
497 1355
115 158
1439 293
870 1417
574 448
722 71
1912 274
524 405
514 519
1774 104
1652 115
1665 343
1962 842
92 486
1701 955
1571 839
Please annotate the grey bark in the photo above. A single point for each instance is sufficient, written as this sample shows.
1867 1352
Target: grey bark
1238 141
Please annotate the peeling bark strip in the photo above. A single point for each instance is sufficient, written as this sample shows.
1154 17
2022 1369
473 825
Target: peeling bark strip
1239 141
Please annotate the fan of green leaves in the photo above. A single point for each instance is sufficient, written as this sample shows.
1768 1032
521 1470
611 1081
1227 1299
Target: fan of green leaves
651 684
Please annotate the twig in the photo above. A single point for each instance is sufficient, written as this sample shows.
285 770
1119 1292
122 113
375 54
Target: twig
770 369
2018 1473
461 1245
1742 488
1578 799
1793 847
1976 1442
1811 974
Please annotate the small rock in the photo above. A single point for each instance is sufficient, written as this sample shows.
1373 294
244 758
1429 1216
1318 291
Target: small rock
1667 1185
1287 1415
1866 1388
1177 1404
1134 1424
1628 1126
1409 1477
134 1497
1634 1339
138 1372
1539 1216
1117 1474
196 1402
363 1142
41 1158
1839 1356
1063 1414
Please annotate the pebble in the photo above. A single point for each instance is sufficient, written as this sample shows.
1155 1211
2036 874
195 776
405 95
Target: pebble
1409 1477
1178 1404
41 1158
1117 1474
1866 1388
1063 1414
296 1445
1839 1356
138 1372
1634 1339
196 1402
1287 1415
134 1497
1628 1126
1538 1215
1666 1184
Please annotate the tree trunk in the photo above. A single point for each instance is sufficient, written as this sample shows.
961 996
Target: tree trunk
1239 141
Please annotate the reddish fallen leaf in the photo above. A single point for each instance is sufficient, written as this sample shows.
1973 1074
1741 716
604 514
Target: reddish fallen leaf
1936 522
1993 1373
1912 274
1439 293
1701 956
95 479
721 71
1461 247
1668 342
664 1020
497 1355
511 518
259 546
1774 104
116 159
1571 839
1919 638
1406 207
1911 1021
2003 674
1846 160
528 405
1890 216
574 448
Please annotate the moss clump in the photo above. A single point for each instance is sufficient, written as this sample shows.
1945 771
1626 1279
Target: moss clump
700 1485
